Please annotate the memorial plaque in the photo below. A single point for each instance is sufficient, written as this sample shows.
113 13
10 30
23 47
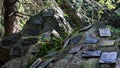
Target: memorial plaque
75 40
105 32
91 53
108 57
48 12
106 42
90 40
44 64
33 32
66 43
36 63
37 20
75 49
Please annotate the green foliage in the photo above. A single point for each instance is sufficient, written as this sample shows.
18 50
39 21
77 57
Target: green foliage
108 3
50 46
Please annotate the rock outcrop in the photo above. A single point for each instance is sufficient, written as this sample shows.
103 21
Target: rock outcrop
49 22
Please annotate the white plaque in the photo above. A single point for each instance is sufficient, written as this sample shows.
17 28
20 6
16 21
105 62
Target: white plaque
108 57
104 32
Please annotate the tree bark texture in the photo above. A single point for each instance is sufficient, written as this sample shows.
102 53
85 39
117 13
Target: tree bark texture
10 20
69 9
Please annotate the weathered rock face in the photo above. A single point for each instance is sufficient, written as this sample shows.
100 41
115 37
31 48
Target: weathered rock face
47 20
23 43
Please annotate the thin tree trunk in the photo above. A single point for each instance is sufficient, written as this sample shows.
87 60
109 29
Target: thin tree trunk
10 20
69 9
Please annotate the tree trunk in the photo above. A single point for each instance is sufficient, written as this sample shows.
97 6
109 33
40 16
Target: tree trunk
10 20
69 9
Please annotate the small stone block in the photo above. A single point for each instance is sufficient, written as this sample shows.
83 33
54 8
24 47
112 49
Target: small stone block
75 49
108 57
106 43
91 53
75 40
36 63
104 32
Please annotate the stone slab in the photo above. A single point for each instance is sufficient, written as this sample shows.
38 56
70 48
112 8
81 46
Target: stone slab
75 49
36 63
91 53
108 57
75 40
104 32
89 39
106 42
66 43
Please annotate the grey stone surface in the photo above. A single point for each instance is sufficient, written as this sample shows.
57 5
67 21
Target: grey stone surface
16 51
61 63
108 57
91 63
75 49
35 49
75 62
15 63
69 56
